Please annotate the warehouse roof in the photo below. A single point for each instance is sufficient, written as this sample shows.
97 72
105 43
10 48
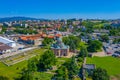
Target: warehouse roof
4 46
5 40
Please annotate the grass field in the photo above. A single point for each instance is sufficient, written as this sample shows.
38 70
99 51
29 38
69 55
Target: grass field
14 70
21 57
43 76
61 61
111 64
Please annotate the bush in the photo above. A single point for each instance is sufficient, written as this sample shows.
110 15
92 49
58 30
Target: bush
80 59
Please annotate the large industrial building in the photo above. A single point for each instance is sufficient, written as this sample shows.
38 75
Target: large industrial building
7 42
4 48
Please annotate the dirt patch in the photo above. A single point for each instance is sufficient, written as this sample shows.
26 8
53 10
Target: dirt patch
116 77
113 78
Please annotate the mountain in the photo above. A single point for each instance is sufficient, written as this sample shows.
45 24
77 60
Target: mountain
7 19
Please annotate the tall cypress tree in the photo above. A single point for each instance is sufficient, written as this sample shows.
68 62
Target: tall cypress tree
72 67
83 52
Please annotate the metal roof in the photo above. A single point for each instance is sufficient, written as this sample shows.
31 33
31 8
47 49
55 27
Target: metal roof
5 40
89 66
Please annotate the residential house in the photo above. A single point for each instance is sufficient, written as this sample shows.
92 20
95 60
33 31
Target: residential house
31 39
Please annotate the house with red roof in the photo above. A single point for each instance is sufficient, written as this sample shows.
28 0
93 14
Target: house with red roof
31 39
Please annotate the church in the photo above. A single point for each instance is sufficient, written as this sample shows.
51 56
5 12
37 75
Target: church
59 48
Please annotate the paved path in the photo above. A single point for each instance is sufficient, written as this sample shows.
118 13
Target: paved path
99 54
51 72
83 70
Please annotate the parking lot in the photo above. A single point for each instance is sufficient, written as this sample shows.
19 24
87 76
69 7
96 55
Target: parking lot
112 49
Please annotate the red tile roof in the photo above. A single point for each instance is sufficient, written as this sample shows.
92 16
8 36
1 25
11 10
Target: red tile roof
34 37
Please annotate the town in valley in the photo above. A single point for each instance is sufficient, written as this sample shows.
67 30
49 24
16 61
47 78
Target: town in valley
60 40
52 46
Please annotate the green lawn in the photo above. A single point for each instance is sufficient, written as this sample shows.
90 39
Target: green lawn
43 76
14 70
111 64
61 61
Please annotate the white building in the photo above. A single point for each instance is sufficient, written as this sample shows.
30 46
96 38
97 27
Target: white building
7 42
26 25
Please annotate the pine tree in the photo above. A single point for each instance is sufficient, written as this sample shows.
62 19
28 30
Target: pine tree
72 67
83 52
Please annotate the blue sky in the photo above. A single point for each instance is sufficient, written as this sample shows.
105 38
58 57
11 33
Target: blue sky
54 9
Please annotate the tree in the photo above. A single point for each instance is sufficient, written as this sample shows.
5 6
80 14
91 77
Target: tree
108 27
82 34
72 67
100 74
104 38
63 29
47 41
62 73
83 52
80 59
72 46
114 32
4 29
26 75
47 60
66 74
32 66
66 40
25 31
116 40
4 78
89 25
72 41
94 46
68 70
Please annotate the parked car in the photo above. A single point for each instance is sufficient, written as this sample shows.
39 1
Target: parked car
20 48
116 55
